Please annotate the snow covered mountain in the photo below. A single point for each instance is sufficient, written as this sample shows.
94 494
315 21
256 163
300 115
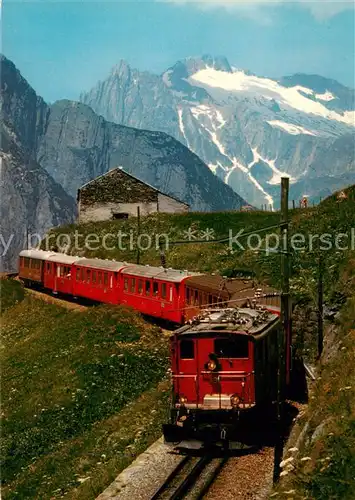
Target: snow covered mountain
249 130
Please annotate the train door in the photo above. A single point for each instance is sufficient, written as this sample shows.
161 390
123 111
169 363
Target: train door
225 368
186 380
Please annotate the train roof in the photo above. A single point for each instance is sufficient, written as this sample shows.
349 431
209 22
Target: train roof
242 320
62 258
36 254
106 265
158 273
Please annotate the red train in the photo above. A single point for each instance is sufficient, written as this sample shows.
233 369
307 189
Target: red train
173 295
224 362
225 377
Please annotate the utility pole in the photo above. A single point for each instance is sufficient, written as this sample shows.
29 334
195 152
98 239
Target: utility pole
320 305
138 232
284 336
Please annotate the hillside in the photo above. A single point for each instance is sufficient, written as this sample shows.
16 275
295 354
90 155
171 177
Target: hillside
80 395
75 368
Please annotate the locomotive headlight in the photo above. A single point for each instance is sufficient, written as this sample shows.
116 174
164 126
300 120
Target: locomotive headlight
235 400
211 365
182 400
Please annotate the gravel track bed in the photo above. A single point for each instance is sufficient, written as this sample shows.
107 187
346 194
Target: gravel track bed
248 477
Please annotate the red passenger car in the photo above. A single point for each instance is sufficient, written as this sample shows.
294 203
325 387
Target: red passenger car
224 373
97 279
155 291
32 266
57 274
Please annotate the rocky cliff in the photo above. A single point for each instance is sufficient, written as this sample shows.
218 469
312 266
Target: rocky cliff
79 145
250 130
31 202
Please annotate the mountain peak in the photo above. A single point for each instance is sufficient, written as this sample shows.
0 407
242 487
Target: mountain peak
194 64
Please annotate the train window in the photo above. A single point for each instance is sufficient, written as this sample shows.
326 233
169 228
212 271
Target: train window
147 287
140 286
236 347
187 295
210 300
155 288
94 276
187 349
125 284
105 279
170 293
196 298
133 285
200 299
27 262
88 275
163 290
77 274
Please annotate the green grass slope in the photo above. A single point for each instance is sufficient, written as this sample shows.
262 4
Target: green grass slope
66 376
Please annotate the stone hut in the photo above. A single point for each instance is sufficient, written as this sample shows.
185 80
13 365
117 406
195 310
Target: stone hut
117 195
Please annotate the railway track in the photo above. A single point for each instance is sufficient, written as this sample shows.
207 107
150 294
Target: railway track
191 479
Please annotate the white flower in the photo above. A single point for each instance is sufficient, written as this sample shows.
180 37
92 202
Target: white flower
83 479
284 473
287 461
293 449
305 459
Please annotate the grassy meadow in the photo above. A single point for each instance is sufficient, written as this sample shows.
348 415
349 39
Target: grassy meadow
85 391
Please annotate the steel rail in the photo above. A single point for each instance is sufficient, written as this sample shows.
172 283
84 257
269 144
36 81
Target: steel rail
171 477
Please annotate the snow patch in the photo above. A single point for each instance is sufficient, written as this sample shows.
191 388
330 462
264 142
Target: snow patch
290 128
213 114
327 96
276 173
293 97
182 128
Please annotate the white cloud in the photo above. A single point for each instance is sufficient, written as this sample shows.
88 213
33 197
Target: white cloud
321 9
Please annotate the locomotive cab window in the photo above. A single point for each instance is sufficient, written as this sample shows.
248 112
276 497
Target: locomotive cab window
187 349
235 347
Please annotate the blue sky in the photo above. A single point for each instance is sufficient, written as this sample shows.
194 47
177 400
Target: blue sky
62 48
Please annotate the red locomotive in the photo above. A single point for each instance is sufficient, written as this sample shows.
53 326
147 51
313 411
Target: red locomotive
225 376
173 295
